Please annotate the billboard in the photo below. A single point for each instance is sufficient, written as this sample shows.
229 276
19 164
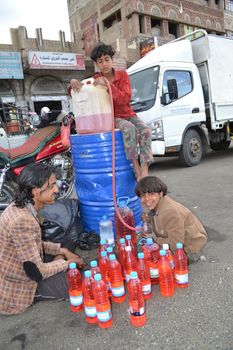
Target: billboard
56 60
147 45
10 65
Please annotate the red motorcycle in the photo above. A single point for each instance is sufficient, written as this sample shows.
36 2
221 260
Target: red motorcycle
43 144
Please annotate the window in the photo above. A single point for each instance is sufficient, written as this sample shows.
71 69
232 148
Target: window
112 19
183 80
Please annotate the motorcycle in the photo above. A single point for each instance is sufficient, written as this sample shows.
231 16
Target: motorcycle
43 144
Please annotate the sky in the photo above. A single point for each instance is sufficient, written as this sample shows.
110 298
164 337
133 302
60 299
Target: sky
50 15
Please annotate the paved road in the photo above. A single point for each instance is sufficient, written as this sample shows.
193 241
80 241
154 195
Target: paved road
197 318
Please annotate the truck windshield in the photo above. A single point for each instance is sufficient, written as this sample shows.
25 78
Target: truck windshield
144 87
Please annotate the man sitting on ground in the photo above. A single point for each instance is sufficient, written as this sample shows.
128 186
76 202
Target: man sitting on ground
24 276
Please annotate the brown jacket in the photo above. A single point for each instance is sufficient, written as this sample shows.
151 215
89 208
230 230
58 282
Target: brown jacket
20 240
174 223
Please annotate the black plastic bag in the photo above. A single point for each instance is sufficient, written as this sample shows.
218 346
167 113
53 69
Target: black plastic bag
88 241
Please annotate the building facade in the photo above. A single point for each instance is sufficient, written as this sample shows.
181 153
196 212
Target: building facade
125 24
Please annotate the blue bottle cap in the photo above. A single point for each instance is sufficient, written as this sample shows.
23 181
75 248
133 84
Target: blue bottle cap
128 237
109 249
133 274
122 240
112 257
103 253
93 263
103 241
149 241
87 273
141 255
179 245
122 201
162 252
72 265
104 217
97 277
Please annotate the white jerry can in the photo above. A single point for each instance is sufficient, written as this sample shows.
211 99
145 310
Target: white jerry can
92 109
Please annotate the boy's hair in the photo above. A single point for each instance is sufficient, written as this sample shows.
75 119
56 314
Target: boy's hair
150 184
102 49
32 176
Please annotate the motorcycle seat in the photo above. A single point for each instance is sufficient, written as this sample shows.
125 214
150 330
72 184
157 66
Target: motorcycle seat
32 145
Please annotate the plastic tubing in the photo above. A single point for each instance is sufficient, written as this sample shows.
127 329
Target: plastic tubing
113 161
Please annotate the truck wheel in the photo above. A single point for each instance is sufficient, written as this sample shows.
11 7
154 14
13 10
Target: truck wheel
192 149
220 146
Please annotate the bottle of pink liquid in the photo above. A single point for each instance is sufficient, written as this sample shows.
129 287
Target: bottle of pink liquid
181 267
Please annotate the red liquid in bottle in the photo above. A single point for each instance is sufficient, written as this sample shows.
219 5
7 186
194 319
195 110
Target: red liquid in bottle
75 288
105 270
165 275
144 276
136 301
121 255
151 253
103 307
128 217
130 263
181 267
88 298
116 280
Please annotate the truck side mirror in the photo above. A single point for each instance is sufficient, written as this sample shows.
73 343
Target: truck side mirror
172 89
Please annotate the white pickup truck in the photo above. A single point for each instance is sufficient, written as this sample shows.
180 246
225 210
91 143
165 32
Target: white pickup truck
183 90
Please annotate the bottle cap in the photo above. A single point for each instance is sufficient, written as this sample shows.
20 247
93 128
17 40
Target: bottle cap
122 240
133 274
140 255
149 241
109 249
93 263
72 265
128 237
162 252
103 253
112 257
179 245
165 246
128 249
97 277
122 201
104 217
87 273
103 241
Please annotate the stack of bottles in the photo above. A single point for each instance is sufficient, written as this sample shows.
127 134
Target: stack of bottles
111 276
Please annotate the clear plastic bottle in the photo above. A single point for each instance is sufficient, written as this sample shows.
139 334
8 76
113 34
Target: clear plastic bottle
129 242
121 255
170 258
105 270
74 279
146 225
165 275
136 301
103 306
181 267
88 298
144 276
130 263
151 253
106 231
102 247
94 268
116 280
128 217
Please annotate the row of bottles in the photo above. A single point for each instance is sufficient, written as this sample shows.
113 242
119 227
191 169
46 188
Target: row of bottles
106 279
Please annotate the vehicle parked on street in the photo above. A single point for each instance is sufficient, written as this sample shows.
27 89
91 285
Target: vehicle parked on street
183 90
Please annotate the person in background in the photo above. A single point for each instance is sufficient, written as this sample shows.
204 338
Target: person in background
24 276
135 132
171 221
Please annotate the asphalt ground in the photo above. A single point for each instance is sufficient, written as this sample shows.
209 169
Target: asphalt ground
199 317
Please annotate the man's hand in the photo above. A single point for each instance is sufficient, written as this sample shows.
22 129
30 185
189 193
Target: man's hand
71 257
76 85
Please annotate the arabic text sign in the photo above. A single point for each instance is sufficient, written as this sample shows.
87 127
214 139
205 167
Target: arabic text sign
56 60
10 65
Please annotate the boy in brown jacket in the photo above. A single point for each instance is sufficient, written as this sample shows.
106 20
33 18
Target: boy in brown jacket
171 221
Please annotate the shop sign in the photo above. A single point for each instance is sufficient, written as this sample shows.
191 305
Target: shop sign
10 65
56 60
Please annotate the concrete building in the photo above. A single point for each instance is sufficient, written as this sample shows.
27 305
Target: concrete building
125 24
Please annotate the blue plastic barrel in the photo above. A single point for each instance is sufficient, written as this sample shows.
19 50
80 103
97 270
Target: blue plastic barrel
92 160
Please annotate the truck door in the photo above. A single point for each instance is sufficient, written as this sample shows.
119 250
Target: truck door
178 112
